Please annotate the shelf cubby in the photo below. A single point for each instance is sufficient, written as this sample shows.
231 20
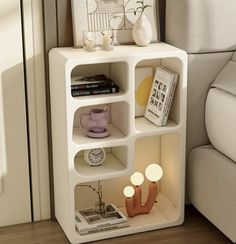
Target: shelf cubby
114 164
118 129
133 144
117 71
175 64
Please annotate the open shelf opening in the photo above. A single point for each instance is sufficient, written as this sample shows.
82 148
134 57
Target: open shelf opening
144 74
163 150
116 128
100 162
116 71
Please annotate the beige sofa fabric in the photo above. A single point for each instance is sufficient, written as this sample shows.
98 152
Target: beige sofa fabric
221 121
212 180
201 25
234 57
226 80
203 70
220 115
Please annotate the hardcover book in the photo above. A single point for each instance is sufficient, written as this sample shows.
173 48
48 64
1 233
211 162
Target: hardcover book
92 85
89 221
161 96
95 91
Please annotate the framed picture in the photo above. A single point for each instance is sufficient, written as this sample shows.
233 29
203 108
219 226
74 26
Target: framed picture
118 15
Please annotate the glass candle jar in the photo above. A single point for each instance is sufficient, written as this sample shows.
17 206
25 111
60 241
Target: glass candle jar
107 40
89 41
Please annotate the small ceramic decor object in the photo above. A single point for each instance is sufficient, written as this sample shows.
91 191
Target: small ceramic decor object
95 122
142 30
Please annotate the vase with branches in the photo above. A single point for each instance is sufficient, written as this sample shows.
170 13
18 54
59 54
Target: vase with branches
142 29
100 206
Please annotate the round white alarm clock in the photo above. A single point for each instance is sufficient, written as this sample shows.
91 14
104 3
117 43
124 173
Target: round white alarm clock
95 156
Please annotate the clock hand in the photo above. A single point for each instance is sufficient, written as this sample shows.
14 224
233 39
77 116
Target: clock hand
99 154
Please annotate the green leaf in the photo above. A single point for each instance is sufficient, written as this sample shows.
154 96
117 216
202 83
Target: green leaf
146 6
140 2
139 8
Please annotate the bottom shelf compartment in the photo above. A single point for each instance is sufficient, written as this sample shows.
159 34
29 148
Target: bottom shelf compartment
165 150
163 214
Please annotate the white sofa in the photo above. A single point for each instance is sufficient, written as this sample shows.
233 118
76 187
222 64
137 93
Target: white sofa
206 29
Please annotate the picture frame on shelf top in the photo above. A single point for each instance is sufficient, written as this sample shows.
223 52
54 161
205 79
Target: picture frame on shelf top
118 15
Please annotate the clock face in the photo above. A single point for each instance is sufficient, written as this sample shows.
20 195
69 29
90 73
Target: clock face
95 156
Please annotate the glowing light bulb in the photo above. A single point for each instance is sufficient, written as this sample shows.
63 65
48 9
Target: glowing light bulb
154 172
128 191
137 178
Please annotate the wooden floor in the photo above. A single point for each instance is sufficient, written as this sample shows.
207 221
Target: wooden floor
195 230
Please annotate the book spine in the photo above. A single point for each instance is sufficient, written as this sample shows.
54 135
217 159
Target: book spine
105 83
168 104
88 92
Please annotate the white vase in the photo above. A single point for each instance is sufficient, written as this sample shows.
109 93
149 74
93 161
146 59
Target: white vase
142 31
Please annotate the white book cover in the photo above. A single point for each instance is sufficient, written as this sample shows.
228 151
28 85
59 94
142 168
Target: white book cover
89 221
161 96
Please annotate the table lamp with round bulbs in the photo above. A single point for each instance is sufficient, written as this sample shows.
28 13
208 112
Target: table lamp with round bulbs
133 195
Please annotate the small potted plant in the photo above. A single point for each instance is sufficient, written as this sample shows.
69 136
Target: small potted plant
142 30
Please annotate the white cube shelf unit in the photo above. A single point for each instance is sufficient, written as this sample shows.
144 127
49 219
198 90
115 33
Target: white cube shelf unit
133 144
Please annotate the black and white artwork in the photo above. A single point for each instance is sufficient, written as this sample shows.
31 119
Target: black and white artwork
118 15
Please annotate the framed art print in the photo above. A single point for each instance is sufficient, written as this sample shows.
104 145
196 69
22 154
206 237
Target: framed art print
118 15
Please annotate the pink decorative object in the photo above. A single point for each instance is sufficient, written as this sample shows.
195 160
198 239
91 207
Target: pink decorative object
133 202
95 122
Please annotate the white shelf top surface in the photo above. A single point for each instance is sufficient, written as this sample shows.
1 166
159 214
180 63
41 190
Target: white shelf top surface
122 52
145 126
110 166
80 137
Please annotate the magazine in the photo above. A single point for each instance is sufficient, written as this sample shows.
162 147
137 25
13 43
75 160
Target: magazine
161 96
89 221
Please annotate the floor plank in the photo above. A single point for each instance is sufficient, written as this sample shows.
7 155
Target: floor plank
195 230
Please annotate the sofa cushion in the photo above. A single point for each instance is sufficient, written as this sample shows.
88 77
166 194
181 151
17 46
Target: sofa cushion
234 57
220 112
226 80
202 71
211 187
201 25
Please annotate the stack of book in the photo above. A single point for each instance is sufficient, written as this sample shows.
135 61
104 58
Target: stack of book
161 96
88 221
92 85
